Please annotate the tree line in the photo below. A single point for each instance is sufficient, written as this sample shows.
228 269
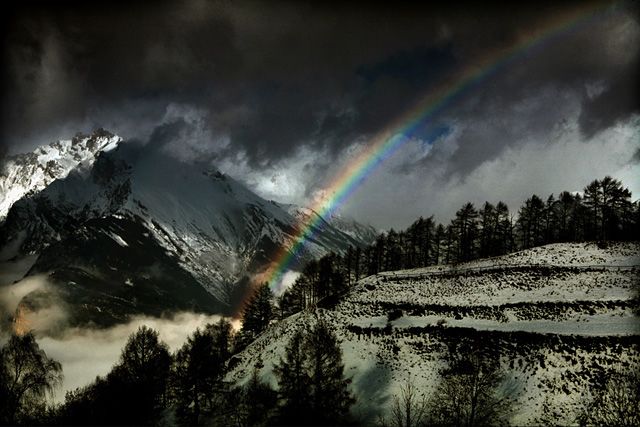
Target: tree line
151 386
602 212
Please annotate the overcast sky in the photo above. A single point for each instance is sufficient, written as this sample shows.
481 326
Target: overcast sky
281 95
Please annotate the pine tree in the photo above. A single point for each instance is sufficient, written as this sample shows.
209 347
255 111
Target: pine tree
564 211
504 231
331 399
313 388
593 203
438 244
294 382
257 314
427 242
392 255
414 243
259 400
550 220
348 264
530 221
142 376
488 226
197 373
293 299
610 205
466 227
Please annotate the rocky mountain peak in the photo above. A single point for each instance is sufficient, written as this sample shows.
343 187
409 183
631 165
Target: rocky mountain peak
32 172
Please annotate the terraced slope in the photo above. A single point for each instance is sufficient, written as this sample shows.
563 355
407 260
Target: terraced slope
559 318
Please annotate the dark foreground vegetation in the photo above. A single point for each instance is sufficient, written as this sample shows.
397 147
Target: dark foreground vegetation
150 386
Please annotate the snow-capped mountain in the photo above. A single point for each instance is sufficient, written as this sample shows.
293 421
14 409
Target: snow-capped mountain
136 230
558 318
32 172
349 226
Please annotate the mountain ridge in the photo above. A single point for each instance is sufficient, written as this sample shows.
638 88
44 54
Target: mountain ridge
133 198
28 172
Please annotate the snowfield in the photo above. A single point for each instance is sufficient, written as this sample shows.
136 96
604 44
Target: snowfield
559 315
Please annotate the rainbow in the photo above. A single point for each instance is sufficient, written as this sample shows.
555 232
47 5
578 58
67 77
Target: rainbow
394 135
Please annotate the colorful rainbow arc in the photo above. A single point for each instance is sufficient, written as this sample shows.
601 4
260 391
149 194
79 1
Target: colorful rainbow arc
392 137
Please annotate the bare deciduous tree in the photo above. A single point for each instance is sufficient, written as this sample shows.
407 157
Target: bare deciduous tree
470 394
26 376
616 404
409 408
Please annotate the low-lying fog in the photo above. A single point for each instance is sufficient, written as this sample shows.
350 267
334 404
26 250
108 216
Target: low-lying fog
83 353
86 353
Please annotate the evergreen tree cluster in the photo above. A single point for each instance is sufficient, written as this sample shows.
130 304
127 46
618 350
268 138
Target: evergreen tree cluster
313 388
603 212
258 312
150 386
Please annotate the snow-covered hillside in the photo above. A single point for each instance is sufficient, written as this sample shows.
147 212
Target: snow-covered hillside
135 212
559 316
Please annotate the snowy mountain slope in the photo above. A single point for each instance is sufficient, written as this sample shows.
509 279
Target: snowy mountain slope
32 172
110 268
556 330
349 226
209 225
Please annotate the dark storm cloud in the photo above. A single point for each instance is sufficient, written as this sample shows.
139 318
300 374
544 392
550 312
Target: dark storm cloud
591 68
271 76
617 101
279 93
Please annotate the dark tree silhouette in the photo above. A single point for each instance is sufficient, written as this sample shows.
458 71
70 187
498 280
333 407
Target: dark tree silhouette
504 231
466 231
409 408
294 382
133 393
615 403
257 314
566 217
609 205
439 243
144 371
530 222
259 400
392 258
550 220
313 388
330 394
469 394
197 374
26 376
488 230
357 263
